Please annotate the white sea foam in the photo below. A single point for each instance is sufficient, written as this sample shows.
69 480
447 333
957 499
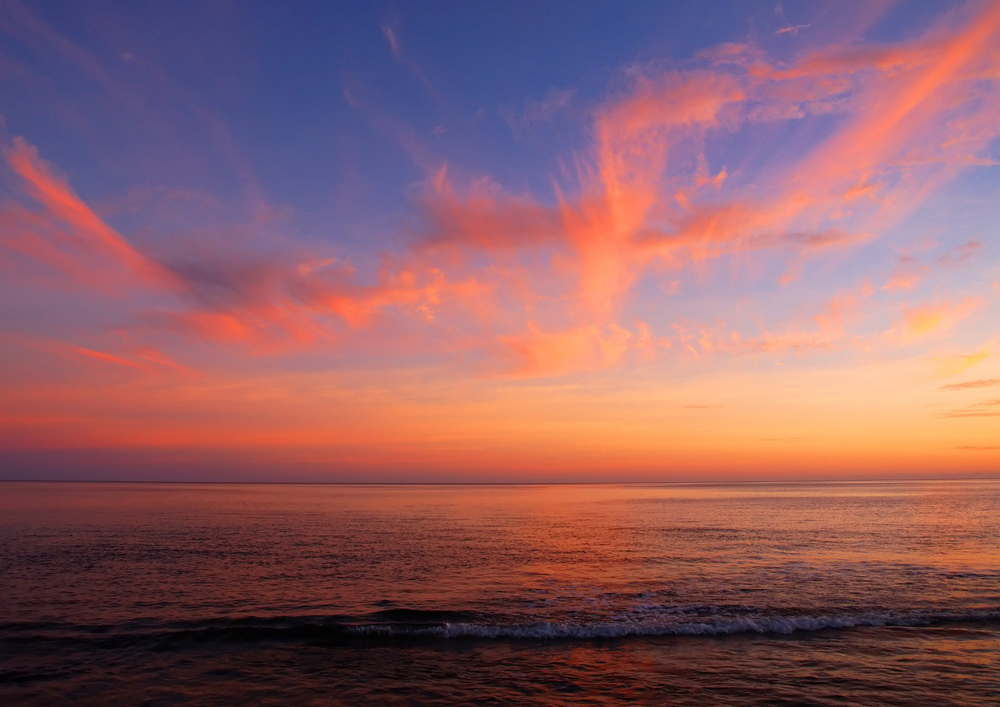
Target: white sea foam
553 630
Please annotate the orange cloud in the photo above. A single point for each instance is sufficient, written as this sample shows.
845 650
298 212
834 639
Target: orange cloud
986 408
830 330
644 201
938 318
981 383
948 366
558 353
270 306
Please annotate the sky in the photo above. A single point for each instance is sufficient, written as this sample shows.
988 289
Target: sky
518 241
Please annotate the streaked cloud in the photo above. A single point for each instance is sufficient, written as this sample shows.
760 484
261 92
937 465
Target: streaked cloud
986 408
948 366
536 112
67 235
391 33
980 383
934 318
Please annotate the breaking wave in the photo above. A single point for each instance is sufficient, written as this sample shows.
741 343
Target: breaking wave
421 626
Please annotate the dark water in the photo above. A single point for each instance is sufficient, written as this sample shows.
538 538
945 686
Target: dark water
824 594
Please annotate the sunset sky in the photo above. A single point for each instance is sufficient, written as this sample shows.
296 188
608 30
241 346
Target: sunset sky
499 241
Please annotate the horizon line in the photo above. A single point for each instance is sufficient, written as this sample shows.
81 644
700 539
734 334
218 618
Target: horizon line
991 476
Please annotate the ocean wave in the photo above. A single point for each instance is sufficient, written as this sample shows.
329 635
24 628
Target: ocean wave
416 625
551 630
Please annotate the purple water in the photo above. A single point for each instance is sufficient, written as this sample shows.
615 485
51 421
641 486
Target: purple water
810 593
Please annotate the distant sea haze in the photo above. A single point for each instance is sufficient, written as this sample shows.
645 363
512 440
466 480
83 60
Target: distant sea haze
748 594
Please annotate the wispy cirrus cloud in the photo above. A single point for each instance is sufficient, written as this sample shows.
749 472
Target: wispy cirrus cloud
948 366
536 112
986 408
906 275
980 383
142 359
67 233
390 31
549 281
910 269
934 318
267 304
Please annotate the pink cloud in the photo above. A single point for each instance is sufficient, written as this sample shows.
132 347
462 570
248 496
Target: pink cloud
558 353
902 280
644 201
909 271
980 383
85 232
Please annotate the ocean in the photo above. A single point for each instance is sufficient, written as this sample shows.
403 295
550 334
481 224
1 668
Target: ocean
881 593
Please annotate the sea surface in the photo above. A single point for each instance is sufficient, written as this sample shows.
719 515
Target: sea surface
744 594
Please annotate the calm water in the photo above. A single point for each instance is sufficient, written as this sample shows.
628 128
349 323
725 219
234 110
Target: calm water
864 593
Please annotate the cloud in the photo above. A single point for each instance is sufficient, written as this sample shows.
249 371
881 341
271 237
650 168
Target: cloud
902 281
791 29
787 27
280 307
535 112
77 230
934 318
104 357
961 254
588 348
485 217
132 358
987 408
909 270
829 327
390 32
949 366
390 36
980 383
277 304
646 197
906 276
145 359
